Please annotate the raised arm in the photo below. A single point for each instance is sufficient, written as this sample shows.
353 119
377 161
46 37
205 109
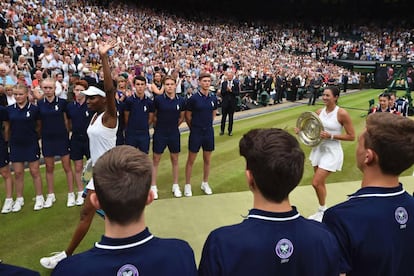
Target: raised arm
110 115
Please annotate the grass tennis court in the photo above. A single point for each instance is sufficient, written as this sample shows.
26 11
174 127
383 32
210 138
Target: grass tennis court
28 235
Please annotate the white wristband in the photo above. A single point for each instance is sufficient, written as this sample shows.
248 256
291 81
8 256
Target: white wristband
332 136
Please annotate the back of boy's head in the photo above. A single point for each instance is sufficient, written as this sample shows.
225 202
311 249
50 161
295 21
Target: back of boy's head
275 160
122 178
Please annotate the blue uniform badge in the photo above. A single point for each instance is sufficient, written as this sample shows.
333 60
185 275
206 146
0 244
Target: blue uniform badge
128 270
284 249
401 216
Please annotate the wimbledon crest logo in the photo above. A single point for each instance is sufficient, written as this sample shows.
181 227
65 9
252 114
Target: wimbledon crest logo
284 249
401 216
128 270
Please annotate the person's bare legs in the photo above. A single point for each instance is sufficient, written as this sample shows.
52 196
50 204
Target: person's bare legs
34 168
318 183
18 168
8 180
50 167
86 216
206 165
156 157
175 167
68 171
78 164
189 166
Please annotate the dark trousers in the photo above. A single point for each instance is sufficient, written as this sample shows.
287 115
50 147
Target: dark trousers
227 108
279 95
313 96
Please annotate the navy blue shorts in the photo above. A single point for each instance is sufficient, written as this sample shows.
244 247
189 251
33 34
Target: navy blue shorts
140 140
55 147
120 139
29 152
161 140
201 138
4 155
79 147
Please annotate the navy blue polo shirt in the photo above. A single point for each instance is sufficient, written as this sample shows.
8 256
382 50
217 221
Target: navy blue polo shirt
142 254
168 112
23 123
3 117
375 231
6 269
139 111
268 243
80 117
51 114
202 108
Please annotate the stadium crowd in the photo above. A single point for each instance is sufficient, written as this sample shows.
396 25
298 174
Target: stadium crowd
59 40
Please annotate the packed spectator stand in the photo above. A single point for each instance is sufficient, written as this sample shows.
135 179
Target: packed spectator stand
62 37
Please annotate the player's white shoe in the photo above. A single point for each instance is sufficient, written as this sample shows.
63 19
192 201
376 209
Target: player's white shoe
39 203
50 199
79 200
318 216
154 191
176 190
187 190
206 188
18 203
7 206
52 261
71 200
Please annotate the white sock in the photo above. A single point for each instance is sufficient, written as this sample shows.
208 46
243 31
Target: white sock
322 208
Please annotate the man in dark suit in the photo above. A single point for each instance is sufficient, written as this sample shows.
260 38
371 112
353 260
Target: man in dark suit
315 85
345 80
280 87
230 89
295 83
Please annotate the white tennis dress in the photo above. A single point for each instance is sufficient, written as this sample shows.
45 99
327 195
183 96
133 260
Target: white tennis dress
328 155
101 139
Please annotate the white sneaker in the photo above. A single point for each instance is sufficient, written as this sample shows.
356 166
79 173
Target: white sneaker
18 203
80 200
7 206
206 188
187 190
154 191
40 203
52 261
176 190
71 200
50 199
317 216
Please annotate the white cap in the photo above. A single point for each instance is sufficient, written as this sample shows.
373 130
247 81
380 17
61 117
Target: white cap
93 91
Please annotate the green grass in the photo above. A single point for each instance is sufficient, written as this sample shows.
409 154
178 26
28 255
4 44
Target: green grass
26 236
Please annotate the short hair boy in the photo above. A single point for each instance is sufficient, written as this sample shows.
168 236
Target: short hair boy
274 239
122 178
